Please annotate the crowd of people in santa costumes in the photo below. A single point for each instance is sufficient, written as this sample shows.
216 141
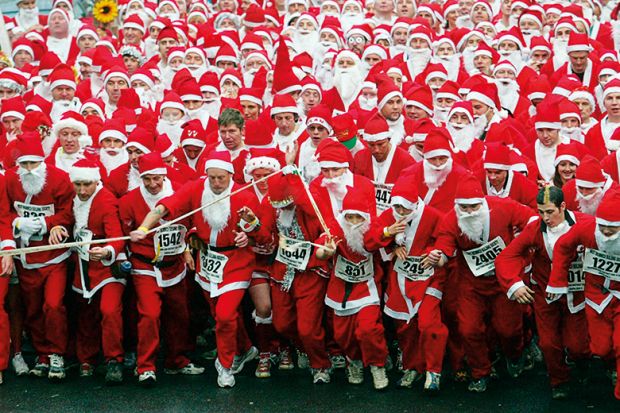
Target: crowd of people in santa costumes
428 186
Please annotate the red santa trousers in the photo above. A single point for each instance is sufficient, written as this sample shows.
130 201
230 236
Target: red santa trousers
604 332
506 318
558 329
231 336
100 324
423 340
361 336
5 332
298 315
449 308
152 299
43 292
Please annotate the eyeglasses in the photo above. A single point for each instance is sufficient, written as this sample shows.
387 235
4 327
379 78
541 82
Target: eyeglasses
356 40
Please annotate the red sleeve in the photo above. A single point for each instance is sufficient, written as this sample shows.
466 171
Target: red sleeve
373 240
125 212
564 254
178 203
6 232
112 225
446 237
510 263
63 203
521 214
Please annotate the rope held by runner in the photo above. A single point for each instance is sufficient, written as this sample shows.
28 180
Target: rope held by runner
41 248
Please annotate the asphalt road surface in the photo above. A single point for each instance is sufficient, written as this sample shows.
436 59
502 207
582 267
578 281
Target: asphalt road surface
292 391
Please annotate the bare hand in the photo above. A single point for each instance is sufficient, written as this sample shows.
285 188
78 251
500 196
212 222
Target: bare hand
98 253
246 214
397 227
241 239
137 235
58 235
7 265
552 296
401 252
291 153
189 260
523 295
432 259
195 242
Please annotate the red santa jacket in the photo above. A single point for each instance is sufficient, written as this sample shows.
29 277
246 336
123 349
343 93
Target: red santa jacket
611 165
224 258
54 204
517 187
504 215
118 179
404 295
595 141
599 290
570 193
103 222
517 255
6 232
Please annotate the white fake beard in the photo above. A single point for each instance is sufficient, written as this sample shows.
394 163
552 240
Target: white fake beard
464 21
337 186
441 114
110 161
434 177
463 137
59 107
147 97
480 124
514 57
150 47
348 82
468 60
325 76
574 133
11 136
354 234
213 108
216 215
610 245
286 216
200 113
348 20
589 204
560 54
472 224
306 42
248 77
418 59
508 91
367 104
33 181
133 179
452 64
173 130
528 34
29 17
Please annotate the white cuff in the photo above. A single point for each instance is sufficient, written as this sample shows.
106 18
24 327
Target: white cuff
514 288
7 243
556 290
109 261
43 230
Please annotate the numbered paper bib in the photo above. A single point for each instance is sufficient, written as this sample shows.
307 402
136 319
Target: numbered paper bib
83 235
33 211
383 195
170 240
212 266
481 260
412 269
297 257
599 263
576 277
354 272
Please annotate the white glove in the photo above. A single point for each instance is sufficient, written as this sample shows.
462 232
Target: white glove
28 226
290 170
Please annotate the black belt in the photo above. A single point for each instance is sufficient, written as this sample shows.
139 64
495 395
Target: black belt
219 249
147 260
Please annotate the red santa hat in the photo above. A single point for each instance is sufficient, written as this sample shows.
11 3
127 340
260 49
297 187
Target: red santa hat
29 148
254 16
449 90
484 49
589 173
96 104
220 160
547 115
332 154
405 194
13 107
151 164
539 44
321 115
253 95
569 109
72 120
172 100
115 129
578 42
613 86
355 202
167 32
485 93
376 129
210 83
497 156
567 152
386 90
233 75
193 134
283 103
512 34
267 158
437 143
464 107
469 191
164 145
85 170
62 75
141 139
608 213
134 21
14 79
421 97
116 71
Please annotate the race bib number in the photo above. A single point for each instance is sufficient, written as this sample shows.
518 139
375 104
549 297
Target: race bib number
354 272
170 240
598 263
481 260
83 235
212 266
383 195
576 277
412 269
34 211
293 253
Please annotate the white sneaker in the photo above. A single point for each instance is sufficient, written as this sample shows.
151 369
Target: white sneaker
225 377
239 361
355 372
147 379
57 367
379 377
320 376
190 370
338 362
409 377
19 365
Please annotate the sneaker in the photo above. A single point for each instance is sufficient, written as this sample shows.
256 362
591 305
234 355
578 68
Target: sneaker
478 385
263 368
389 365
286 361
379 377
225 377
57 367
432 383
302 360
40 369
320 376
528 361
190 369
1 377
209 354
461 376
338 361
535 352
86 370
19 365
129 360
240 361
355 372
147 379
399 360
514 367
114 373
560 392
409 377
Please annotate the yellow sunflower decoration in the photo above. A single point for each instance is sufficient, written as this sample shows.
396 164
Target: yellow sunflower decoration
105 11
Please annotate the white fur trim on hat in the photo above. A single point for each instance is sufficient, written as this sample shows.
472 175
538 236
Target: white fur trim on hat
29 158
498 166
377 136
139 146
112 133
481 98
193 142
69 123
284 109
399 200
582 94
419 106
536 95
570 158
578 48
319 121
218 163
171 105
154 171
388 97
547 125
84 174
13 113
437 152
610 90
601 221
588 184
468 201
63 82
252 99
332 164
261 162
